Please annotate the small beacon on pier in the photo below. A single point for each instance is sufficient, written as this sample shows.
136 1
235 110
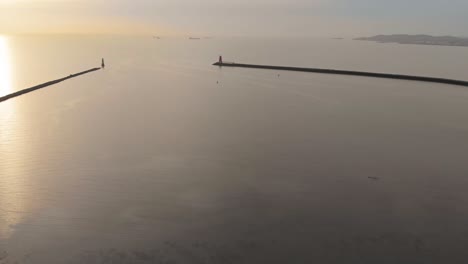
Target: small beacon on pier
220 59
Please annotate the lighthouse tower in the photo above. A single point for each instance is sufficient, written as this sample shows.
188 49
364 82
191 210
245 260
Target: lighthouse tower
220 60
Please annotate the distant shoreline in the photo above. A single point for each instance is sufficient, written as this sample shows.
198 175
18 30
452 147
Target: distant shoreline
419 40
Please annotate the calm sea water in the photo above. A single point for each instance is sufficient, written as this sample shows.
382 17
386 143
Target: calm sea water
163 158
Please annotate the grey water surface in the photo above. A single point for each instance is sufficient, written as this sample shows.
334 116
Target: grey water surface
163 158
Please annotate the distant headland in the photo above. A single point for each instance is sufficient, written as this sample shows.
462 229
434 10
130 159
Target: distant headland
419 40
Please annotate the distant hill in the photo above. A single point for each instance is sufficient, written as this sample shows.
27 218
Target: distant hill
419 40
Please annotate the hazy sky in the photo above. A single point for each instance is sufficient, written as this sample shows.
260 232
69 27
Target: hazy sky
236 17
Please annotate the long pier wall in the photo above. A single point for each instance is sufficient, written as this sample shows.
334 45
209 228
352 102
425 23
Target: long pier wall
40 86
353 73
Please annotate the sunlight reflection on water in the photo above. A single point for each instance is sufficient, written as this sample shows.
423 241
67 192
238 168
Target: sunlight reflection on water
12 179
5 67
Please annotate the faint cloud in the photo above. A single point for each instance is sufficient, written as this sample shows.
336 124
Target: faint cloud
240 17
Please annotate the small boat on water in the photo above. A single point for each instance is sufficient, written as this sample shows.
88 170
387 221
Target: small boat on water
192 38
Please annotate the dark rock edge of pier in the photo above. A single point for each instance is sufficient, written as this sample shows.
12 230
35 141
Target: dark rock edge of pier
345 72
40 86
